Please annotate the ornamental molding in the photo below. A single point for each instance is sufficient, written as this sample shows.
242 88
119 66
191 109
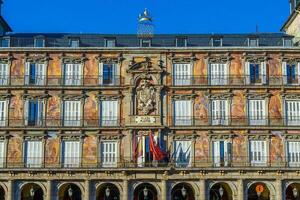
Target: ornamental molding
183 59
259 136
145 66
255 58
258 95
110 137
109 59
7 59
73 60
34 137
71 137
184 136
290 137
221 136
103 97
5 96
290 96
146 97
35 96
219 58
37 58
183 96
226 95
73 97
4 137
291 60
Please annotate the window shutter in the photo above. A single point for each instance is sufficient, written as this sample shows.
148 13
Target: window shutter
2 153
216 152
109 153
26 112
298 72
284 74
3 112
227 153
100 73
71 153
40 113
27 71
264 72
4 74
41 74
34 151
68 72
214 112
247 72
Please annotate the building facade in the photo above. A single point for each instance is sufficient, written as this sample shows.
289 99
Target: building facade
86 116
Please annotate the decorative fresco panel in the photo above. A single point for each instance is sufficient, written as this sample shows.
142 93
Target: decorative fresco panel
89 152
52 150
14 150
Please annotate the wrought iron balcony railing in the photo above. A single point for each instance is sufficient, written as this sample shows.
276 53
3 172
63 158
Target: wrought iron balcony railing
235 162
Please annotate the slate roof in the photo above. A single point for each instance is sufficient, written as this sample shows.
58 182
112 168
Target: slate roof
132 40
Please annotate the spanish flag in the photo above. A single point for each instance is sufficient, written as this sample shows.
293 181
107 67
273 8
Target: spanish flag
156 152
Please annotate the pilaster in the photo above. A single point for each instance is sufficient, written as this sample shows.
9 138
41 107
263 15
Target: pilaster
163 189
10 190
49 188
125 190
87 190
279 189
202 189
240 184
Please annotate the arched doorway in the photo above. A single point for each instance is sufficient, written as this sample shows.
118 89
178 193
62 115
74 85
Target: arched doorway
32 191
183 191
292 192
2 193
258 191
108 191
69 191
145 191
220 191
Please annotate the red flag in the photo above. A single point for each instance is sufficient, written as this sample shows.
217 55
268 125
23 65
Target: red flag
155 150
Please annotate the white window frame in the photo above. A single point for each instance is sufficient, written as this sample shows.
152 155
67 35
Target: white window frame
40 75
115 75
4 73
218 73
111 41
182 153
292 115
72 113
41 112
3 112
262 73
33 151
220 111
284 73
258 152
2 153
293 152
182 74
39 38
257 112
109 112
73 74
72 157
183 112
181 38
217 153
109 153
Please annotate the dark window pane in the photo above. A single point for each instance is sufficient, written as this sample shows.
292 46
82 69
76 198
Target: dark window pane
181 42
39 42
5 42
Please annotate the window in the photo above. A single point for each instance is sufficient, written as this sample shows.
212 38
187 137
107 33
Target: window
221 153
183 112
258 153
287 42
109 113
253 42
5 42
74 42
294 154
71 153
72 113
39 42
3 112
216 42
73 74
219 112
290 73
35 73
2 153
145 42
182 153
33 153
4 74
110 42
34 112
108 74
181 42
182 74
293 112
218 74
257 112
109 153
256 73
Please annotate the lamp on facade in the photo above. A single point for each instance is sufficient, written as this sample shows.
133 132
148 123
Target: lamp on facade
295 192
31 191
145 192
70 192
107 192
221 191
183 192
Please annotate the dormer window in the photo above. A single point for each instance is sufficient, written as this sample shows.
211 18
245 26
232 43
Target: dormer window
110 42
74 42
39 42
287 42
145 42
253 42
216 42
5 42
181 42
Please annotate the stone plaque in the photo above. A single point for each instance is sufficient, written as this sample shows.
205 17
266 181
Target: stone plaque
145 120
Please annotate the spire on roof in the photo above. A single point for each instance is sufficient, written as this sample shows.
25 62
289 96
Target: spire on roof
145 25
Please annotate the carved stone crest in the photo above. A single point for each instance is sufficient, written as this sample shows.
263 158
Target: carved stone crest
146 97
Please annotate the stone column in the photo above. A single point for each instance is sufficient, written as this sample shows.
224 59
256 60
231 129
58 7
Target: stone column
49 188
202 190
240 184
10 190
279 192
125 190
164 190
87 190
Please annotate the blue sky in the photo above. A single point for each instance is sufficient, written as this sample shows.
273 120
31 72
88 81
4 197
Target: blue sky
170 16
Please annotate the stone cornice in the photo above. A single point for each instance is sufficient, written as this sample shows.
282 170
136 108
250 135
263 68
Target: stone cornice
109 96
183 96
35 96
38 58
73 97
218 58
256 58
183 59
5 96
73 59
109 59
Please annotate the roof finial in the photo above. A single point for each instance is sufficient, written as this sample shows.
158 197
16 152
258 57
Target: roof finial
145 16
145 25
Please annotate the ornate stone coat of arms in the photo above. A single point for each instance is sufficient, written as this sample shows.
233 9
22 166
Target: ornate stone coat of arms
146 97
